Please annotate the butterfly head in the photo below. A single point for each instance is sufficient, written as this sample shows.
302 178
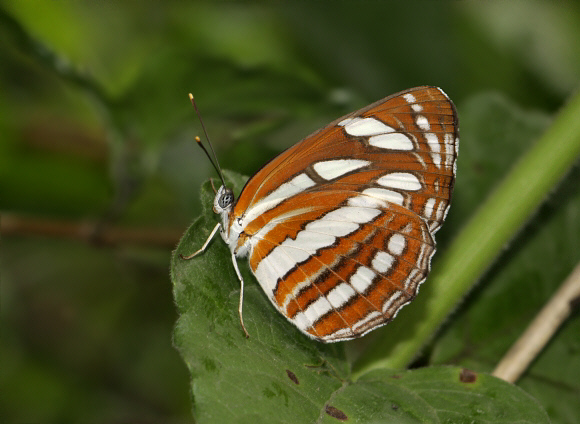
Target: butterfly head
223 205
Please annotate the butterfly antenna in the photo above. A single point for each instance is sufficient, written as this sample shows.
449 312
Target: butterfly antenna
198 141
214 162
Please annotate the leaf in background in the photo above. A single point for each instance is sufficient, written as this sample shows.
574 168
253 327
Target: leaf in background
494 133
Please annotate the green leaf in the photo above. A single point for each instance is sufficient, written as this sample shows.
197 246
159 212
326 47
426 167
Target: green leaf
434 395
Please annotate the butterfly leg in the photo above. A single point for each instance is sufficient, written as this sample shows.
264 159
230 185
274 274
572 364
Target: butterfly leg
194 254
241 294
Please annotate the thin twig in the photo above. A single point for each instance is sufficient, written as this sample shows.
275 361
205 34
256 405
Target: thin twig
541 330
88 232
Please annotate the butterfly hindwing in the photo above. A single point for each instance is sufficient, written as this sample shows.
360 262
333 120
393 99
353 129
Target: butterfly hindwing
337 277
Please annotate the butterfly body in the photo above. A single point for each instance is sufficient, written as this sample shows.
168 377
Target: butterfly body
339 229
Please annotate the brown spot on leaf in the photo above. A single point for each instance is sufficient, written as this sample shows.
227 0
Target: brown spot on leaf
292 377
467 376
335 413
396 376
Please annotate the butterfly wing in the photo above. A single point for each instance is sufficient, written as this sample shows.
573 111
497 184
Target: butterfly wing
341 225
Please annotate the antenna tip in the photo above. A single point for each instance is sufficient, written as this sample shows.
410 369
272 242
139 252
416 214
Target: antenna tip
198 139
190 96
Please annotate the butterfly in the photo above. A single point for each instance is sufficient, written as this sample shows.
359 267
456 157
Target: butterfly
339 229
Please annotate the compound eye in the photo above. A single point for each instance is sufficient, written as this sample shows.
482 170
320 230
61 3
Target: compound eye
226 199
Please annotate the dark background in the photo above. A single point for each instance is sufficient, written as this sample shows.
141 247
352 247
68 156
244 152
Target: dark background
99 175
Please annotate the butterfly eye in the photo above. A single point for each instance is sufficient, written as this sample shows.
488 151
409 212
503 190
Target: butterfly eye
226 199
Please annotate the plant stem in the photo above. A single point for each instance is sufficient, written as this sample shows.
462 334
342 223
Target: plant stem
541 330
89 232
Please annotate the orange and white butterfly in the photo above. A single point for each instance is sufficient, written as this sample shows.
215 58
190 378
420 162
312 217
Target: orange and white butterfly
339 229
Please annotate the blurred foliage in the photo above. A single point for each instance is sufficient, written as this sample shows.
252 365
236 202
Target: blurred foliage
96 125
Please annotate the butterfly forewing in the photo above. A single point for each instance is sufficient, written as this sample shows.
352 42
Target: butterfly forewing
340 226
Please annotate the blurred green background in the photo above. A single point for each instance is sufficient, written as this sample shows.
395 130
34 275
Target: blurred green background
99 175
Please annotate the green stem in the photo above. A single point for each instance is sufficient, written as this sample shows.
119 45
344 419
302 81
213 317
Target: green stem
507 209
